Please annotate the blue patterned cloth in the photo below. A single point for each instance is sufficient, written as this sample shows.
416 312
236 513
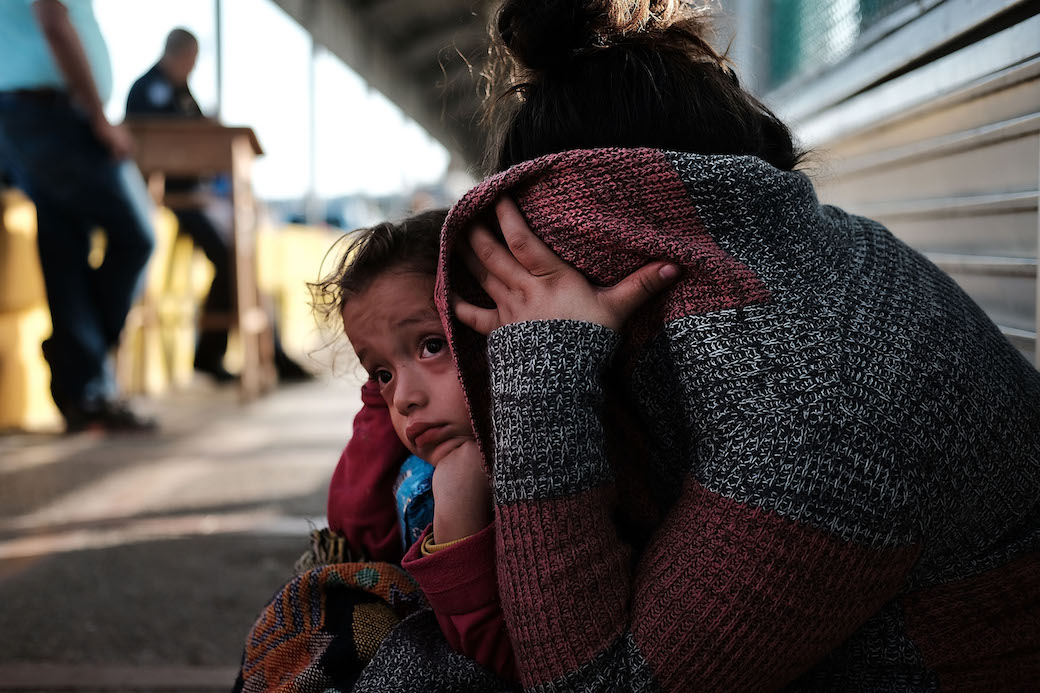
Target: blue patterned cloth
413 491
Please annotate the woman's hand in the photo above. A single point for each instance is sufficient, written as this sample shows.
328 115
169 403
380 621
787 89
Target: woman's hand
461 494
115 138
528 281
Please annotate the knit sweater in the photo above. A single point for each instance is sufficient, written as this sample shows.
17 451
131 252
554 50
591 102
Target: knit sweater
814 464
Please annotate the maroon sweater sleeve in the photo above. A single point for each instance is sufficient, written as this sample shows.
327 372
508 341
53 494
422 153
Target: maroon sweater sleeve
460 583
361 495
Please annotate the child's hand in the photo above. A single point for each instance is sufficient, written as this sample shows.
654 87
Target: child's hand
461 494
528 281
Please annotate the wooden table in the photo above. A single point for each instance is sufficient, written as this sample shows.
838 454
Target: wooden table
199 148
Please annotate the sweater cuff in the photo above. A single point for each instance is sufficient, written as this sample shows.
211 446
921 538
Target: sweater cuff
460 577
546 407
428 547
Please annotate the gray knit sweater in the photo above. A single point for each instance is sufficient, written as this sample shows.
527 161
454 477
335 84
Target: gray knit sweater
813 465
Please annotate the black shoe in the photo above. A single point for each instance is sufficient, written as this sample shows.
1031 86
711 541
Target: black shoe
216 371
107 415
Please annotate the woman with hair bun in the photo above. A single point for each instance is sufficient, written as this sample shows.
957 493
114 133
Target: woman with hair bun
789 454
582 74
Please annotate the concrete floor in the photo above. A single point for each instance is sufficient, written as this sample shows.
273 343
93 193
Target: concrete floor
138 563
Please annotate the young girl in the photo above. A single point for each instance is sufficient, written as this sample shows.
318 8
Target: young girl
383 290
324 629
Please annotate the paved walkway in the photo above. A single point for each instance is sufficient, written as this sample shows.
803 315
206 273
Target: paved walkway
138 563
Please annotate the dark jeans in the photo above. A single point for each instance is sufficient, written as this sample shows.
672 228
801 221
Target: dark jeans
77 186
207 234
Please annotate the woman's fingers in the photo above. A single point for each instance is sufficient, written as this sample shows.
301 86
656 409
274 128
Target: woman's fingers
637 288
491 284
528 281
495 257
483 320
526 247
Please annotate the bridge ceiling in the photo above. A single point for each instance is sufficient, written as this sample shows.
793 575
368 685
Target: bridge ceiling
425 55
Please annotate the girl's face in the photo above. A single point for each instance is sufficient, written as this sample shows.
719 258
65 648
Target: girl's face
397 335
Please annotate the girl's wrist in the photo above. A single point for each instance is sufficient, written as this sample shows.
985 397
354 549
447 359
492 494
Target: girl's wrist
461 495
459 523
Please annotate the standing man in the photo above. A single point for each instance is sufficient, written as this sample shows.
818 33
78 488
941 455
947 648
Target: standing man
201 213
72 163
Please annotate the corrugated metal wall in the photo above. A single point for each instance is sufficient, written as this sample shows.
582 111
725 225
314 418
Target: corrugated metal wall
946 153
958 182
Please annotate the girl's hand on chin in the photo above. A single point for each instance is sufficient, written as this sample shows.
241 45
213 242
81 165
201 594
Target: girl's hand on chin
461 494
528 281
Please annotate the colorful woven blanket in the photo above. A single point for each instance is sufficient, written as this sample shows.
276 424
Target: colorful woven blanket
321 629
361 627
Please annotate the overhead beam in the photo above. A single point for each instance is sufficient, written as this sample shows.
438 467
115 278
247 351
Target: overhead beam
406 15
343 31
429 46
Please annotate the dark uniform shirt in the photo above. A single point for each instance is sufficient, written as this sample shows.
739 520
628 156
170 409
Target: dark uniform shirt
154 94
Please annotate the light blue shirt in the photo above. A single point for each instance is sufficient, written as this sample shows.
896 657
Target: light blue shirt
25 58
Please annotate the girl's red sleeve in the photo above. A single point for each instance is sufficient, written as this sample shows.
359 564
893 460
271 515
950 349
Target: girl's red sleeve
361 495
460 583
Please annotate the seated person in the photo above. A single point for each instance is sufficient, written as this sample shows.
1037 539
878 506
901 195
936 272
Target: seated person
163 91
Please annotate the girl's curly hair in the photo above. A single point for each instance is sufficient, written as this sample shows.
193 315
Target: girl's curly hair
411 245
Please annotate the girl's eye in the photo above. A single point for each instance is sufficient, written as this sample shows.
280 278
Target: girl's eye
432 346
383 377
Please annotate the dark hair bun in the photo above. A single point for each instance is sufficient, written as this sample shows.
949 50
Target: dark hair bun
584 74
543 34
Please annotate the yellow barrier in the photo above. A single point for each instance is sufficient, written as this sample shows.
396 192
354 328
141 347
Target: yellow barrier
158 342
289 258
25 322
